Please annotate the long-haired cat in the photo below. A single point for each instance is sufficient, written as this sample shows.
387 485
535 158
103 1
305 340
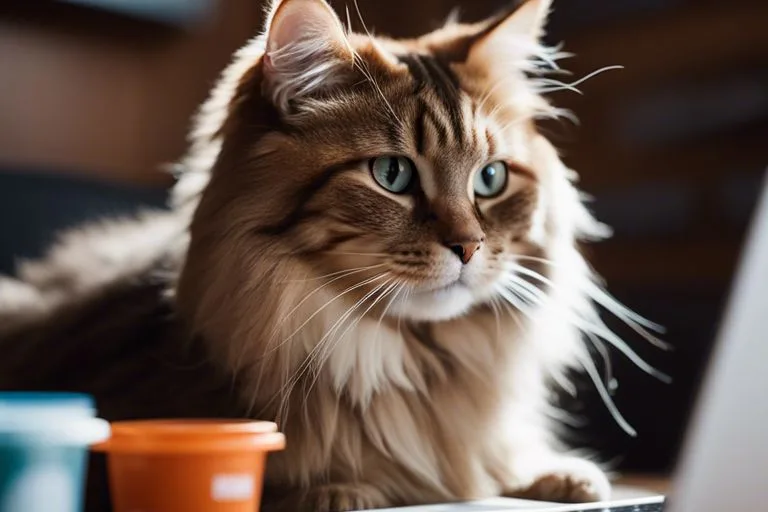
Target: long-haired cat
370 244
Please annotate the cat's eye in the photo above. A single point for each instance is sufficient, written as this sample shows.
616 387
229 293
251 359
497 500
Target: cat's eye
491 180
394 173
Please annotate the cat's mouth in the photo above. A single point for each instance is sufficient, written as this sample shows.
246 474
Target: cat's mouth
448 287
441 292
441 302
443 286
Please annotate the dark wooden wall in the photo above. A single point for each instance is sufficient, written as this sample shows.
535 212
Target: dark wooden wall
104 95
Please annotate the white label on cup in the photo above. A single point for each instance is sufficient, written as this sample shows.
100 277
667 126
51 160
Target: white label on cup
232 487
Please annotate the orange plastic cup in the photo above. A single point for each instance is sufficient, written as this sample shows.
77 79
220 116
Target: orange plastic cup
189 465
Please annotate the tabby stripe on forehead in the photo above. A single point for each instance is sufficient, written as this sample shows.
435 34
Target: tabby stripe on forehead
440 128
425 114
303 196
419 128
430 71
447 86
419 73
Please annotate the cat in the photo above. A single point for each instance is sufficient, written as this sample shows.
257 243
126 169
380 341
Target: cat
369 243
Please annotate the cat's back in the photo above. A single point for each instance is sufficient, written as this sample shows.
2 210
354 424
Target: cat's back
97 315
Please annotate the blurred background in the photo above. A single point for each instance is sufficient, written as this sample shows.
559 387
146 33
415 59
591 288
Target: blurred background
95 97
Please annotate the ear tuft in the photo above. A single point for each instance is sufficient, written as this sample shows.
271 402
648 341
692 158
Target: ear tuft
453 17
529 19
514 35
306 51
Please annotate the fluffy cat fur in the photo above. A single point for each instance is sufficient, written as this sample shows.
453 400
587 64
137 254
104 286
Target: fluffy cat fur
405 343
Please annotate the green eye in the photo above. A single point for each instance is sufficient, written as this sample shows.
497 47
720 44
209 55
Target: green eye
393 173
491 180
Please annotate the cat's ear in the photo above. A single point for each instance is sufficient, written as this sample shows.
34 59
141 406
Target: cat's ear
514 34
306 50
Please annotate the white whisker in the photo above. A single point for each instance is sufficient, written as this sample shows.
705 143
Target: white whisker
287 389
347 253
535 258
632 319
506 305
591 369
602 331
556 114
317 312
549 55
601 296
349 20
395 295
560 85
496 315
513 297
387 286
281 394
519 291
565 417
363 67
515 121
610 303
276 330
346 273
390 285
489 92
606 357
637 322
572 86
595 326
408 292
568 386
340 321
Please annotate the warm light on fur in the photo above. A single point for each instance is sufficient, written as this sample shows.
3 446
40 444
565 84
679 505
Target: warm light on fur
399 373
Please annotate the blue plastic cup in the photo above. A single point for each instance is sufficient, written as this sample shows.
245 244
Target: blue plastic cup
44 440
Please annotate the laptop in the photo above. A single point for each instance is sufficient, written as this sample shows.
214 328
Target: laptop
723 465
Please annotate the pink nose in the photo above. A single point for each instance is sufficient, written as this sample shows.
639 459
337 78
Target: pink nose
465 250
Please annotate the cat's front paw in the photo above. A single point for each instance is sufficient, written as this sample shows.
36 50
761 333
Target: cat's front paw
561 479
343 498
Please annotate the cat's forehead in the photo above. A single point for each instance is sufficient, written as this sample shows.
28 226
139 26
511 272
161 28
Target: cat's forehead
449 114
415 98
435 67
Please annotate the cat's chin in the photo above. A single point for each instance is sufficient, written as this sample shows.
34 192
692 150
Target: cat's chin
434 305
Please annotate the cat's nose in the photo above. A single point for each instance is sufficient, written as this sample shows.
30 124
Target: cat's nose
465 250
